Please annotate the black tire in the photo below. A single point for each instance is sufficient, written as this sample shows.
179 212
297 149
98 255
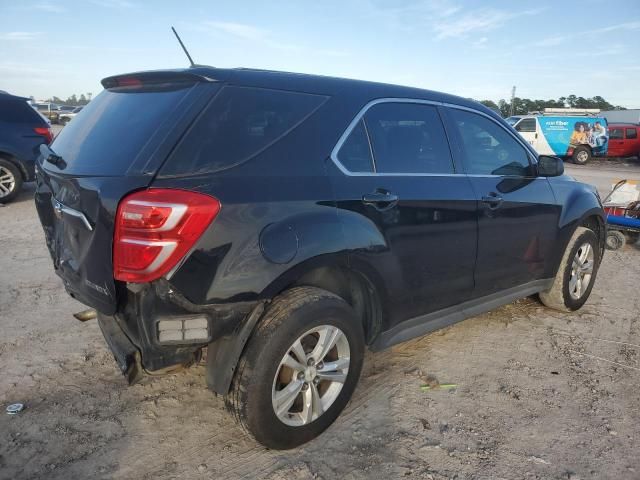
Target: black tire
558 296
615 240
290 316
11 188
581 155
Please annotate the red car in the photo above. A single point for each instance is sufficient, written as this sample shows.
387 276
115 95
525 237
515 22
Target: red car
624 140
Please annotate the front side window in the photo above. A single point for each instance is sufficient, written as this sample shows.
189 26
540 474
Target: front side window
615 134
631 133
527 125
488 148
408 138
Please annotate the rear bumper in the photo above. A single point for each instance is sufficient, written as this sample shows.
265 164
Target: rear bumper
124 351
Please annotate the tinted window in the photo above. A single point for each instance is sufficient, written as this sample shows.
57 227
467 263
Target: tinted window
527 125
110 131
355 153
615 134
631 133
488 148
408 138
15 110
239 123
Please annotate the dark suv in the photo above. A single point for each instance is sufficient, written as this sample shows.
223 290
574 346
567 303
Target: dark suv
22 131
288 221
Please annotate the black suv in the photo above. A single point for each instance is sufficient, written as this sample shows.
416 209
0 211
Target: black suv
288 221
22 131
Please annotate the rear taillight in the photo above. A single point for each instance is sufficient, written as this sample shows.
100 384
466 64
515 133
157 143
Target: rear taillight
155 229
45 132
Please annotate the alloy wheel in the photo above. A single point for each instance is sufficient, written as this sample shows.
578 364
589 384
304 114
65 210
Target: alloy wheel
7 182
581 271
311 375
582 156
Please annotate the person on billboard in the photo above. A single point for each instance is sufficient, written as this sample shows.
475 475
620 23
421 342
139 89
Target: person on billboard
599 134
579 135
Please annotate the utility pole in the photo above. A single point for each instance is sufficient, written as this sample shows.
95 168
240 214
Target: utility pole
513 96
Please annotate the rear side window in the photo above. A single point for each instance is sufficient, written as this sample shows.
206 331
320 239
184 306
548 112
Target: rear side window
631 133
527 125
355 153
15 110
488 148
615 134
408 138
109 133
239 123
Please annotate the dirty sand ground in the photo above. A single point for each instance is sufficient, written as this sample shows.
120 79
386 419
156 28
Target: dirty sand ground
540 394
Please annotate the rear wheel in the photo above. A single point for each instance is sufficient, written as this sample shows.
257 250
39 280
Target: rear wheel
10 181
299 369
577 273
581 155
615 240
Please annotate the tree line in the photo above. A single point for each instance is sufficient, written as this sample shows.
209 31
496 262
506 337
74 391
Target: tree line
73 100
522 106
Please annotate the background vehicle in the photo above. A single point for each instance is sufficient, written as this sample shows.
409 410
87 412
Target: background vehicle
67 116
48 110
568 136
624 140
286 221
22 131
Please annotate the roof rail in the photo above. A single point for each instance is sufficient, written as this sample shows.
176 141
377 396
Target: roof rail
571 111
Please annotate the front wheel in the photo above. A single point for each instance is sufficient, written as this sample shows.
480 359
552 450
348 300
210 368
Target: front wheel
299 368
577 273
581 155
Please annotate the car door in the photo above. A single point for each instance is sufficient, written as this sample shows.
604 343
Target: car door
517 211
630 141
616 142
408 216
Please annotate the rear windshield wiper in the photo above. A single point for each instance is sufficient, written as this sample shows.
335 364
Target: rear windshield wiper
50 156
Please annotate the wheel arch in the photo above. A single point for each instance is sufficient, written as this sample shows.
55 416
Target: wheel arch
10 157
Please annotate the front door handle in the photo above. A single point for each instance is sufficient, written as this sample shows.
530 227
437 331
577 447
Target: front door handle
493 200
380 199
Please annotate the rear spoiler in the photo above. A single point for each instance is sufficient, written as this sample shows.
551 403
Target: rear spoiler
160 77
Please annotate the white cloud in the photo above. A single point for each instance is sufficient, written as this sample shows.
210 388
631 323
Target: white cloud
561 39
480 43
19 36
251 33
48 7
114 3
480 20
241 30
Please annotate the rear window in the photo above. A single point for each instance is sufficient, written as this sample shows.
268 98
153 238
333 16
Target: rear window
239 123
16 110
109 133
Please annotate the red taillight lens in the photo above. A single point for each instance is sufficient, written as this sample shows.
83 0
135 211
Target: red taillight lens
45 132
155 229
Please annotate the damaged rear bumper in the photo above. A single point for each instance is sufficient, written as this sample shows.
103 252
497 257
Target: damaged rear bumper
124 351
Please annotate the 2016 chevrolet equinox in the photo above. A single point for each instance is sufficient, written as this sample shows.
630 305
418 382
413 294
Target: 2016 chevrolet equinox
288 221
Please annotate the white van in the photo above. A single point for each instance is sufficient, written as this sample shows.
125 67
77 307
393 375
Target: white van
578 137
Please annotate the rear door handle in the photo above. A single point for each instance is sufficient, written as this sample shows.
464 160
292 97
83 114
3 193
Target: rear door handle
493 201
380 199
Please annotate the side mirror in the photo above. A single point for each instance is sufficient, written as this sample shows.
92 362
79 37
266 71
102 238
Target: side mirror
550 166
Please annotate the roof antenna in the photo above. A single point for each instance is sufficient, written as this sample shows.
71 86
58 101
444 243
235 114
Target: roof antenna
183 47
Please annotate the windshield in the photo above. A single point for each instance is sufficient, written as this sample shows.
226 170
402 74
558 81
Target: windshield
513 120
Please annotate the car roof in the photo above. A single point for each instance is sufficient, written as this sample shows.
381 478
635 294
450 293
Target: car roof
6 95
318 84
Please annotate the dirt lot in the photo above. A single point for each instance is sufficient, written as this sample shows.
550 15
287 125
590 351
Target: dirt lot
539 394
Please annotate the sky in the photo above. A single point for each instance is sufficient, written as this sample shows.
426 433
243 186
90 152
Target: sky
477 49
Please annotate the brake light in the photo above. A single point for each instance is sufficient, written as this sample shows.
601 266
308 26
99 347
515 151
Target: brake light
45 132
155 229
